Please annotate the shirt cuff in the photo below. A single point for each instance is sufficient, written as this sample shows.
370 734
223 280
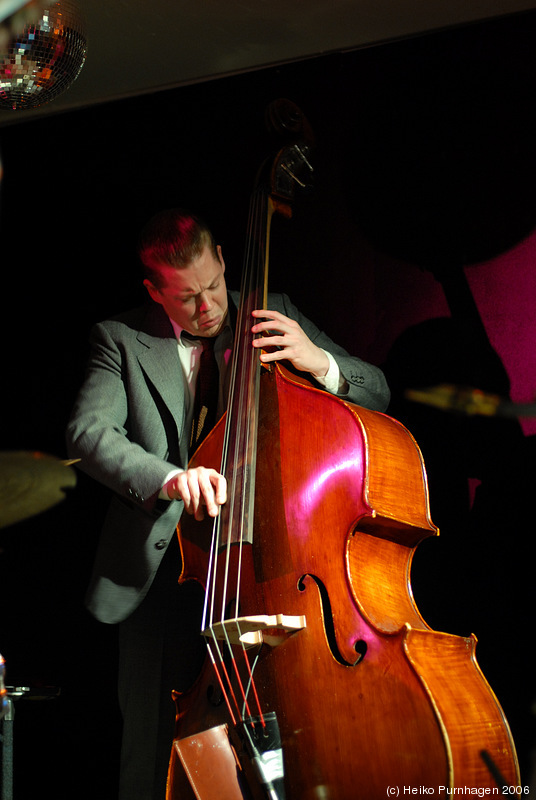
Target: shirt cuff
163 491
333 381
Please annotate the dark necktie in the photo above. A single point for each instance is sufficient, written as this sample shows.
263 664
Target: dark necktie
206 394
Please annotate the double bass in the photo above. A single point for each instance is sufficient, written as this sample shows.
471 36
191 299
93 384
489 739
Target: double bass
322 680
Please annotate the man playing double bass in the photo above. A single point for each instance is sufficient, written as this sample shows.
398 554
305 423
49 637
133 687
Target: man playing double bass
131 427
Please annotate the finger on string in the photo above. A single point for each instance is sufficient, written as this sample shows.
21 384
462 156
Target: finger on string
183 490
207 491
269 329
276 355
194 494
221 490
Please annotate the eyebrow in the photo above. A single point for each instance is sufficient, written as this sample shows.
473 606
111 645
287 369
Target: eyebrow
186 293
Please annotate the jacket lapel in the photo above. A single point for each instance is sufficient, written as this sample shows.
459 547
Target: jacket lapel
159 359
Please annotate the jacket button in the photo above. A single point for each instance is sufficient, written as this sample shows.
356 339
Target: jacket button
161 544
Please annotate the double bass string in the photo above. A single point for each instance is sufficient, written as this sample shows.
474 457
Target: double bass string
234 525
244 417
256 269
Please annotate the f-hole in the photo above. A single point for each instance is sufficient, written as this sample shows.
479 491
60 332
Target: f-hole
360 645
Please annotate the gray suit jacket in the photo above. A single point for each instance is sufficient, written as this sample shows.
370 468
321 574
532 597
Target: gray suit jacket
127 427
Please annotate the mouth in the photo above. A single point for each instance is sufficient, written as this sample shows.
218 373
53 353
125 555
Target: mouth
214 323
210 323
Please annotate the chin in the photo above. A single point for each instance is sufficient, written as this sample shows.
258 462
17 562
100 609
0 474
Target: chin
211 330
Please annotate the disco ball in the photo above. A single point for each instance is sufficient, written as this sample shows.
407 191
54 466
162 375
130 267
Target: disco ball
43 60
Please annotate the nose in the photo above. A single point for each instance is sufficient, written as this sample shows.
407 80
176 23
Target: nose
204 302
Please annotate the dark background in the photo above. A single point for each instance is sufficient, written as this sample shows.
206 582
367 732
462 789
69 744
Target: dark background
425 173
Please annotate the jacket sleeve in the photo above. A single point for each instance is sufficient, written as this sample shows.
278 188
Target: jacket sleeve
102 431
367 385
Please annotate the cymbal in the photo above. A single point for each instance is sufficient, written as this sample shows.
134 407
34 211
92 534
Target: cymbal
31 482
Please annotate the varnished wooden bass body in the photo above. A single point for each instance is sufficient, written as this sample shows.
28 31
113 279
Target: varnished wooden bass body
368 699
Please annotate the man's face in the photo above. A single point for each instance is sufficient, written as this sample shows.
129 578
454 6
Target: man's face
195 297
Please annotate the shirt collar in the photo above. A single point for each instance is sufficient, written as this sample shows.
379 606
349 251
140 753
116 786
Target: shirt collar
188 342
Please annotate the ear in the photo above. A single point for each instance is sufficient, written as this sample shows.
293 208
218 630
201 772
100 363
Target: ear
220 257
153 291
